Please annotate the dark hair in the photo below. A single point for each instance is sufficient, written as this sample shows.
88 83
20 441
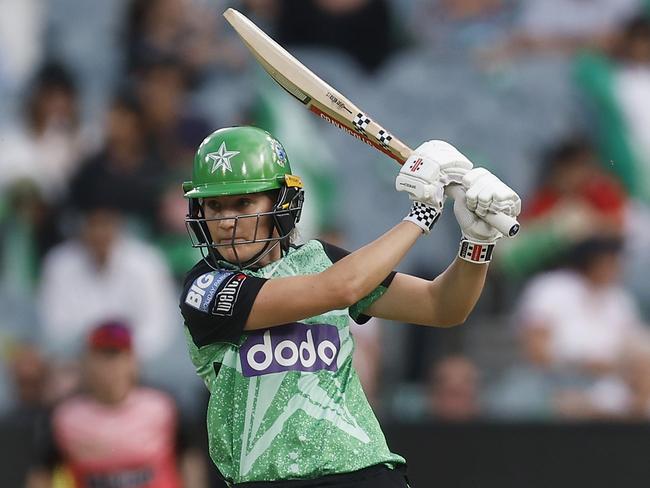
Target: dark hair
52 76
126 99
565 151
638 26
583 254
163 63
568 149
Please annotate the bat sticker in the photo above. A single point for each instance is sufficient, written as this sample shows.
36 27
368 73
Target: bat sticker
339 103
384 138
361 121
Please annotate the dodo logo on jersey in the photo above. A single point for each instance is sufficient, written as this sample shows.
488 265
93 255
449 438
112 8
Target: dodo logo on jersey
291 347
204 288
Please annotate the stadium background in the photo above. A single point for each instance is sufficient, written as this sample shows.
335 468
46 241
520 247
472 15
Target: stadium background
103 103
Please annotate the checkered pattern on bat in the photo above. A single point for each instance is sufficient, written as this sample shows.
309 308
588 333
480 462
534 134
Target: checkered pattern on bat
361 121
384 138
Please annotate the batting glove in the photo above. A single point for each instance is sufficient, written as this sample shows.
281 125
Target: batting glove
484 193
432 166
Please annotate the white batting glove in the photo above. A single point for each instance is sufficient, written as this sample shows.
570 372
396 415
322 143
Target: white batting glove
484 193
453 164
432 166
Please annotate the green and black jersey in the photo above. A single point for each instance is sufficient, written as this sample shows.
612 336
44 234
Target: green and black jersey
285 402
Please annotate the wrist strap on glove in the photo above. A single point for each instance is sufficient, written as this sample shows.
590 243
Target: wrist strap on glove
423 215
475 252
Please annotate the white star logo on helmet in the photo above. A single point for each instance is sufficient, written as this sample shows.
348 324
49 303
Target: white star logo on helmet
221 158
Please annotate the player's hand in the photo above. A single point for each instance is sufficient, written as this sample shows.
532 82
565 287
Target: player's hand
484 193
432 166
453 164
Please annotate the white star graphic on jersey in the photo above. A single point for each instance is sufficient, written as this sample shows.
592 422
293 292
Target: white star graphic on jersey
221 158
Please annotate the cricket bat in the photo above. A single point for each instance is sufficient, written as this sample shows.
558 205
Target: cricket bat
326 102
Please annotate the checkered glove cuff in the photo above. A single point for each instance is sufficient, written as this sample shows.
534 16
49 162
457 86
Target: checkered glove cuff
423 215
475 252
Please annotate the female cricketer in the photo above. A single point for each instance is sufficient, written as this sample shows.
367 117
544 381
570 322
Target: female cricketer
267 320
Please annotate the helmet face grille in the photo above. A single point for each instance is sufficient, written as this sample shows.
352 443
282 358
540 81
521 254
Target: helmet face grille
200 235
284 216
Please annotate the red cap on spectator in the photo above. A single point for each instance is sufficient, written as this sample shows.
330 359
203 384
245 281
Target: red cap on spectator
110 335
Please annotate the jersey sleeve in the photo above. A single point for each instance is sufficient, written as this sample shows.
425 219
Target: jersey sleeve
216 304
335 254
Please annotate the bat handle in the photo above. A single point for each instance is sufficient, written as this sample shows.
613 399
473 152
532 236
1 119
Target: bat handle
507 225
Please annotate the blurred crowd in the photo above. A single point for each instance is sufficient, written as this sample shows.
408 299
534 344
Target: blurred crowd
104 103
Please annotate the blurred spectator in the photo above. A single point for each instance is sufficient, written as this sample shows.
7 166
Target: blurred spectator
28 370
364 29
615 85
579 319
28 373
115 433
622 395
571 173
187 30
173 129
631 89
49 146
124 172
28 229
171 233
453 390
104 273
575 199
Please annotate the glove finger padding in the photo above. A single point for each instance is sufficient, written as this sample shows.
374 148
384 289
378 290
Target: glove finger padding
473 227
486 193
453 164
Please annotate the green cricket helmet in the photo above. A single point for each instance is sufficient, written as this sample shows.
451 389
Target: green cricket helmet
237 161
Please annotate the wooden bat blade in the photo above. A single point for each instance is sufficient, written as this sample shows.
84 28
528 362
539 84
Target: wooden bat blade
310 90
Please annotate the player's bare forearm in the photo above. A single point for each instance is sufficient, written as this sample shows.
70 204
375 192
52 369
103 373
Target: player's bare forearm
339 286
457 290
443 302
364 269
